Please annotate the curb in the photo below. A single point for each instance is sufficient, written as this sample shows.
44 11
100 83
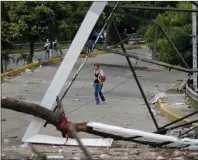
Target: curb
45 62
168 114
192 94
55 60
29 66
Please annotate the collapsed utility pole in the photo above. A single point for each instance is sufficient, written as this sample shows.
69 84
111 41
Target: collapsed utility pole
194 43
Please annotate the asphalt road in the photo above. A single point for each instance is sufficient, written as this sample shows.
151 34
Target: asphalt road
125 105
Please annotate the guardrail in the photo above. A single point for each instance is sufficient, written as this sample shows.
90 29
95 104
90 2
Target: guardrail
191 93
38 43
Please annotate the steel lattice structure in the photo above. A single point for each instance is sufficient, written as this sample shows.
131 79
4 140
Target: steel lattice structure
165 128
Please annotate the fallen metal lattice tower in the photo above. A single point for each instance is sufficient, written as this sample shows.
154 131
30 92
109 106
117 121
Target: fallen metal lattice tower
49 100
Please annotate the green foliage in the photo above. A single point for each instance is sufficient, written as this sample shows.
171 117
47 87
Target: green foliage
127 22
178 20
31 21
38 20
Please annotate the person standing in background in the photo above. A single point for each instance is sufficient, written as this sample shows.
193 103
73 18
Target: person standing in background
90 45
55 45
50 50
46 48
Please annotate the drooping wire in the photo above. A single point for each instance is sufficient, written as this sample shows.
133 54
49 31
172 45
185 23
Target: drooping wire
94 99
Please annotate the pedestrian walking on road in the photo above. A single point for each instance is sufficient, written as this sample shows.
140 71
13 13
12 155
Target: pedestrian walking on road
55 45
98 83
46 48
51 46
90 45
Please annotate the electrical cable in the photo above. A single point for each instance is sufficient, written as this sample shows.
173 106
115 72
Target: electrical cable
94 99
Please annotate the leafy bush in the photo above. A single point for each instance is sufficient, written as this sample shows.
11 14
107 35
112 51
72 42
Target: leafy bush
180 21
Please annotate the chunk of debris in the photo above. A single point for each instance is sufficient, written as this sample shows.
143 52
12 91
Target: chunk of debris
34 82
3 155
4 119
179 103
24 146
178 153
76 158
136 152
12 137
158 96
104 156
27 70
6 141
55 157
60 151
154 112
193 147
19 97
161 158
194 154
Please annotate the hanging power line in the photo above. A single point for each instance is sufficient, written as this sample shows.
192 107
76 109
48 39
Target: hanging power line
94 99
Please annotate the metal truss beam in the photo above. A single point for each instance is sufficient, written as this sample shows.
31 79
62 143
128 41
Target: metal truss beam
137 81
152 61
159 8
162 25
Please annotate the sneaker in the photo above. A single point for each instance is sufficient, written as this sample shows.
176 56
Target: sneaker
97 103
104 102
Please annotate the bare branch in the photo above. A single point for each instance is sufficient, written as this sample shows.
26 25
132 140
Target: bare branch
54 118
32 109
74 134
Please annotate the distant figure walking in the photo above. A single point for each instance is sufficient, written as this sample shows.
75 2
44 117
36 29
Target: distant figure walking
95 35
51 48
46 48
98 83
55 45
90 45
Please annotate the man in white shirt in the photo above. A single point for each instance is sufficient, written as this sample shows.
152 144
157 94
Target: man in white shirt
46 48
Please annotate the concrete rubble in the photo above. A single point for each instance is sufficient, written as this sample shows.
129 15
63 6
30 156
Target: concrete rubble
132 152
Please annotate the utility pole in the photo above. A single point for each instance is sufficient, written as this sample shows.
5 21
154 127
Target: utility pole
194 43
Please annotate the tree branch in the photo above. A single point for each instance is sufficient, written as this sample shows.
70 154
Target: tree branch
54 118
32 109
